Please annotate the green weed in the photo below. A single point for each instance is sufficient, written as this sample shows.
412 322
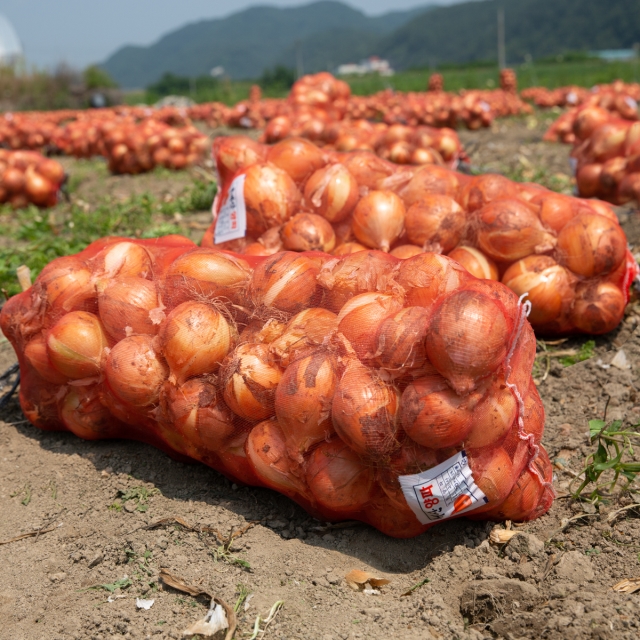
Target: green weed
587 350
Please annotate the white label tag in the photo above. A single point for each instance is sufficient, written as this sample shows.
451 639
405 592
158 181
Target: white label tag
444 491
231 223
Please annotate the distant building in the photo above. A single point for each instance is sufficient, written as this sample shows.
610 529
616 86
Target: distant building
10 47
370 65
615 55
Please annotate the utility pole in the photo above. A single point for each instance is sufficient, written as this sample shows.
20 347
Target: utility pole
299 67
502 63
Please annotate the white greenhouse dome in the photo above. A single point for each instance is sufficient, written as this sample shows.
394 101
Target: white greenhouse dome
10 47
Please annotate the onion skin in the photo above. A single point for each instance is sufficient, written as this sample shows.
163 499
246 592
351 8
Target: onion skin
591 245
285 281
135 372
297 156
364 412
468 338
303 401
76 344
436 221
337 479
308 232
475 262
359 319
598 307
84 415
195 338
435 416
249 380
378 219
332 192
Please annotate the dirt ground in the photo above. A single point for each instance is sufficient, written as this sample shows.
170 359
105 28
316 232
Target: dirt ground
94 503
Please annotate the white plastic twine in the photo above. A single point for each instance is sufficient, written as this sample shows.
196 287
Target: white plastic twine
525 309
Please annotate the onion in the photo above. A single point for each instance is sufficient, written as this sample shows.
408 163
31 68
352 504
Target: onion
399 341
364 411
378 219
468 338
556 210
431 179
67 284
598 307
588 119
135 372
367 168
427 276
266 450
233 153
195 338
206 274
435 416
51 170
84 415
482 190
13 180
303 401
270 240
261 332
404 251
309 328
547 284
492 471
38 189
493 417
271 198
35 351
435 220
607 141
249 380
76 345
285 281
308 232
298 157
588 180
591 245
129 306
123 259
337 479
332 192
356 273
508 230
359 319
348 248
391 519
475 262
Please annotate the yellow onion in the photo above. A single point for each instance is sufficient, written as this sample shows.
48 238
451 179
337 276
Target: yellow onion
355 273
267 453
35 351
475 262
404 251
249 380
509 230
237 152
303 401
556 210
123 259
378 219
38 189
435 220
492 471
67 284
261 332
364 411
308 232
468 338
268 243
195 338
434 415
598 307
591 245
285 281
298 157
588 180
347 248
359 319
135 371
271 198
427 276
547 284
84 415
367 168
481 190
399 341
129 306
76 345
332 192
309 328
493 417
337 478
51 170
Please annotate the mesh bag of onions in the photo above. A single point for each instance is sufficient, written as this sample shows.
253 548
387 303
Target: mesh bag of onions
569 255
397 392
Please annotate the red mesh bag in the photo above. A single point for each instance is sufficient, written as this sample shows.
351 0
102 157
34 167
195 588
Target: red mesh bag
397 392
568 255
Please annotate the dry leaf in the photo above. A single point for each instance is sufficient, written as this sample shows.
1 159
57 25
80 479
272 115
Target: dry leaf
500 536
358 580
627 586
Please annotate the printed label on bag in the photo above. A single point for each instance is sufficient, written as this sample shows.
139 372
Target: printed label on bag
232 217
444 491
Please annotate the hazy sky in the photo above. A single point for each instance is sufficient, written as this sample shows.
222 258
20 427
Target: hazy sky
80 32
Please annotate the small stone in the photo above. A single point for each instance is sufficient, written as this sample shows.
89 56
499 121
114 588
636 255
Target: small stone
334 578
575 567
484 547
328 537
96 561
458 550
130 506
525 544
58 577
288 572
